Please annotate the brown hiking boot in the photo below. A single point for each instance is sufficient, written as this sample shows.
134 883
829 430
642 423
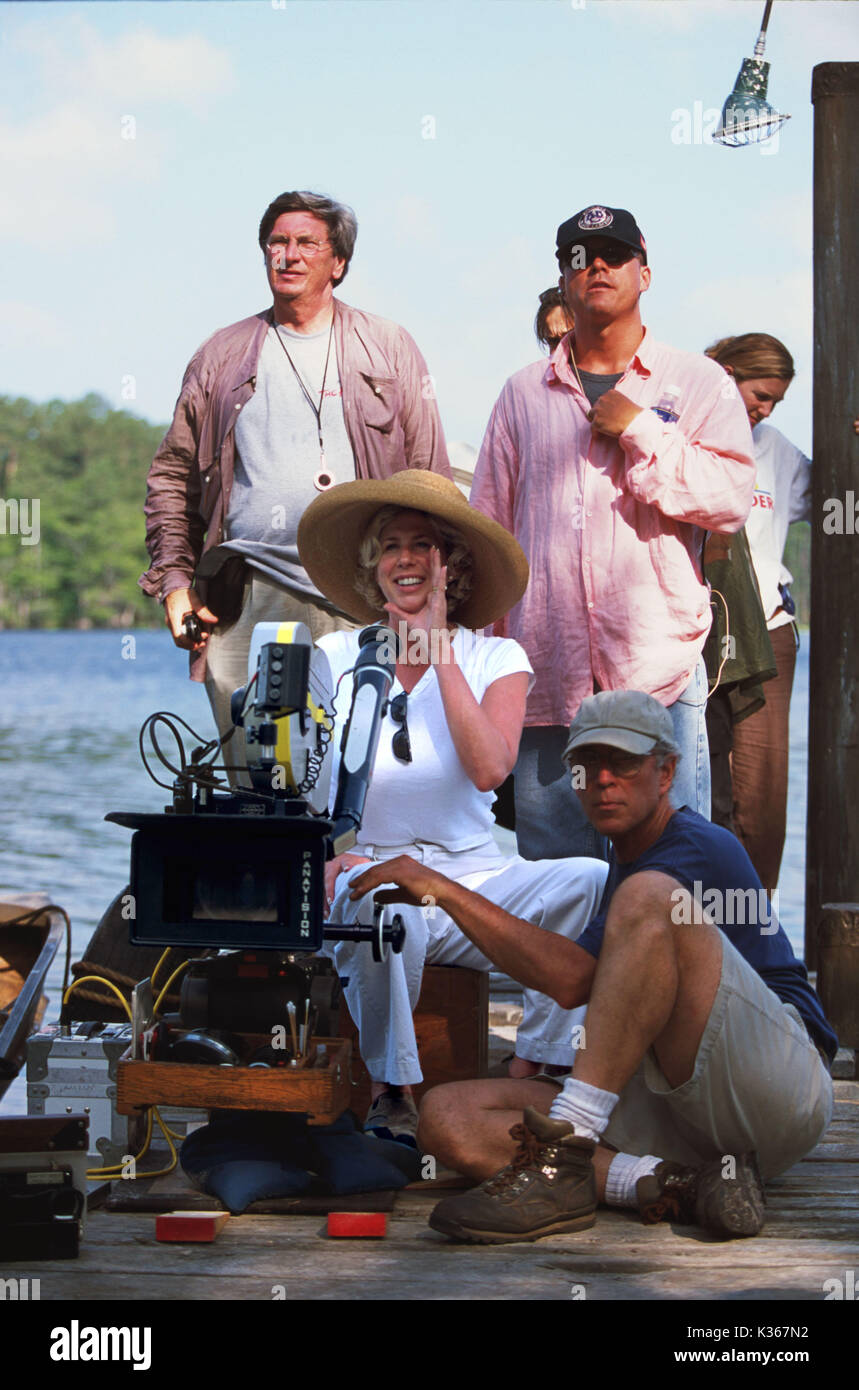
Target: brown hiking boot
549 1188
727 1206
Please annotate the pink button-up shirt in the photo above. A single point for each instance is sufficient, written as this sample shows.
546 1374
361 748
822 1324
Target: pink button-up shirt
613 528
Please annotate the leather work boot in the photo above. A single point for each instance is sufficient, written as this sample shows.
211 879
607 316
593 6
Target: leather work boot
728 1207
548 1188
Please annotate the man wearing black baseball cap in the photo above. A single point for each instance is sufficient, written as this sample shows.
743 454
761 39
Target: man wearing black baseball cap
608 464
603 224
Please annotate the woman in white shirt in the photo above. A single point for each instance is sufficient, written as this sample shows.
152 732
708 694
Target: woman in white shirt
763 370
409 550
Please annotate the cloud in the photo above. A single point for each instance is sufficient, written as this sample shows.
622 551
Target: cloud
55 168
772 303
679 16
792 214
511 262
96 120
140 66
416 222
812 30
30 327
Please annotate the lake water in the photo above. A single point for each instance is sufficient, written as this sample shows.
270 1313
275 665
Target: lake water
72 706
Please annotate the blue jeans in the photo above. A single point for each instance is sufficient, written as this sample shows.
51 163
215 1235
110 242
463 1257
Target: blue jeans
689 716
550 822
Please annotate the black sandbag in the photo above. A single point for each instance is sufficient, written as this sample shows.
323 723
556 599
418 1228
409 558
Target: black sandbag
243 1156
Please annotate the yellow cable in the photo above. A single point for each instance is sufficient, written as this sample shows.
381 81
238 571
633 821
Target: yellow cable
116 1169
83 979
162 1172
177 971
161 959
319 714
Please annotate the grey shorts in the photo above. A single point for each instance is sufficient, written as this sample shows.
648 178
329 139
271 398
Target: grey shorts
759 1083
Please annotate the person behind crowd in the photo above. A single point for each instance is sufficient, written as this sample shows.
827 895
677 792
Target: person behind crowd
610 501
412 552
553 320
705 1066
763 369
273 410
738 655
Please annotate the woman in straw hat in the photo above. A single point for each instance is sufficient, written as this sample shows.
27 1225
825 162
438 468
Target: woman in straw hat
410 551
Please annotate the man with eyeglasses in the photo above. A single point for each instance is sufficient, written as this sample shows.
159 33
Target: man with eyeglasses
273 410
703 1065
609 464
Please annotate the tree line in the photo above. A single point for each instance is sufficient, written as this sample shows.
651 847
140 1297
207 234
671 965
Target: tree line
72 484
76 472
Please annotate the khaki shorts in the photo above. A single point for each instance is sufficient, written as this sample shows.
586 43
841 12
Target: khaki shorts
759 1083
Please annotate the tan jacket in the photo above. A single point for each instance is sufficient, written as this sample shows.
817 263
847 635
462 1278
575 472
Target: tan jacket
389 409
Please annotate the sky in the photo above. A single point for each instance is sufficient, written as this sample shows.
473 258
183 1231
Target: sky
140 143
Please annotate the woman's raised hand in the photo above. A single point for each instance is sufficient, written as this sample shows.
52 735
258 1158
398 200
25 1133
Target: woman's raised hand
433 616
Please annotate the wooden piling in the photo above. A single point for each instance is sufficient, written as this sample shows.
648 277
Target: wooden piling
832 839
838 969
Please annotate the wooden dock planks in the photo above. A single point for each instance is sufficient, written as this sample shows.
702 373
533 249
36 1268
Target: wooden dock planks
811 1235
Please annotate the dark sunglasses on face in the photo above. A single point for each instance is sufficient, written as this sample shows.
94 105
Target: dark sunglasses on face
613 253
400 744
619 764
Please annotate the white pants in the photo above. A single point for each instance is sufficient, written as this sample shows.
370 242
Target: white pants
560 895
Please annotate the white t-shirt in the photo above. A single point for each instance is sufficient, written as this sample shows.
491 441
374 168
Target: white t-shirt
432 798
782 495
278 455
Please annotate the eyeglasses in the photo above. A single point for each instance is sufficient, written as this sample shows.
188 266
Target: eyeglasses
400 743
613 253
623 765
307 246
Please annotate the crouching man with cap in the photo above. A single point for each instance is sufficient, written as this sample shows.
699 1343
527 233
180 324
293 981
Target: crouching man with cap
704 1065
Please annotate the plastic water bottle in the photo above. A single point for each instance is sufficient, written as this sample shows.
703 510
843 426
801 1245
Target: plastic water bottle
666 406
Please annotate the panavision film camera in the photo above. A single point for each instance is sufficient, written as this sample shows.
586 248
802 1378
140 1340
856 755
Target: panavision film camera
245 868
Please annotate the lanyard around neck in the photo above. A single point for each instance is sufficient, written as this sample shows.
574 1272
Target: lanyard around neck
323 480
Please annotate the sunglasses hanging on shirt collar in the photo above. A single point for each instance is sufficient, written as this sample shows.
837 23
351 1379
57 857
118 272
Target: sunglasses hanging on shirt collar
400 743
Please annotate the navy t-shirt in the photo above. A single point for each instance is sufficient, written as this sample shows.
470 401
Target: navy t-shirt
711 864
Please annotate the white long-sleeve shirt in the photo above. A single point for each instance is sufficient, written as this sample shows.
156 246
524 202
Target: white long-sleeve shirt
782 495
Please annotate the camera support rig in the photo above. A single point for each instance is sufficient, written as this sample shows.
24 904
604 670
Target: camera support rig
245 868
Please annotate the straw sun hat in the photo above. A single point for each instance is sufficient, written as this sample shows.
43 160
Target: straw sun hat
331 530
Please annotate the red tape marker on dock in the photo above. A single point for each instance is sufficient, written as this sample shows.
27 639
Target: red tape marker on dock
190 1226
357 1223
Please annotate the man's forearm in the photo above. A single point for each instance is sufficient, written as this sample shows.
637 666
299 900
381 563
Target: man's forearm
703 483
538 959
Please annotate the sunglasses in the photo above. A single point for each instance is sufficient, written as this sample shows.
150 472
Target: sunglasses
619 764
612 253
400 744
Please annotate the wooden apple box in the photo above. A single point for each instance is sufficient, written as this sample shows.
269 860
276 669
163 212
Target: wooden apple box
322 1093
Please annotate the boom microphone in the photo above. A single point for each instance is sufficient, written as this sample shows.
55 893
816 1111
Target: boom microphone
372 680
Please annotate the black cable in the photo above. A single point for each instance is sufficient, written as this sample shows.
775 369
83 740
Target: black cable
195 772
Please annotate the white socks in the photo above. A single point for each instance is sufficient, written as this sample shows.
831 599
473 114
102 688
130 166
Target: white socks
588 1110
622 1178
585 1107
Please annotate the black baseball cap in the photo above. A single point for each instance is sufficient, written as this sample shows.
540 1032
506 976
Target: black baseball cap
610 224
